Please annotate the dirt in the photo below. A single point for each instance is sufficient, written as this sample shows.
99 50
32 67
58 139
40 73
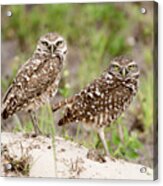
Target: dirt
35 156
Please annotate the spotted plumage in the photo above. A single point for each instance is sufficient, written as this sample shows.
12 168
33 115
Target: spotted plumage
101 102
37 80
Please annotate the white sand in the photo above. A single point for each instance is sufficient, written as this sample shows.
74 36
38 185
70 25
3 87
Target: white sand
71 160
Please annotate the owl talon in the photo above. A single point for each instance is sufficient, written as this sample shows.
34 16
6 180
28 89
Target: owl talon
38 132
94 155
108 157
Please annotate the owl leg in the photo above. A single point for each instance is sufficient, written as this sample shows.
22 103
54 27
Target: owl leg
101 135
35 122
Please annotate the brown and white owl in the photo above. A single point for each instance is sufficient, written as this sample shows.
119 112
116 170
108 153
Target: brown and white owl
37 80
105 99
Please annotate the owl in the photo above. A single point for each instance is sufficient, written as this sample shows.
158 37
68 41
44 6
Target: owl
37 80
101 102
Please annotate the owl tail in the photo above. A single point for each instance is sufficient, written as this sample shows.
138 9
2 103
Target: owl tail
61 104
61 122
67 118
6 102
4 114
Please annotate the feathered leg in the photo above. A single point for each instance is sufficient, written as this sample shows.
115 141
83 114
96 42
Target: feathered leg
101 135
34 120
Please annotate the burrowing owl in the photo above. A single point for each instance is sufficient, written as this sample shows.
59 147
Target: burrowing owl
37 80
101 102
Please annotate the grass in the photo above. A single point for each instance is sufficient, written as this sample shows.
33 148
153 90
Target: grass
100 32
126 147
146 101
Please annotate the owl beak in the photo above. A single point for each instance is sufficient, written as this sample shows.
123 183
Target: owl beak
53 48
123 72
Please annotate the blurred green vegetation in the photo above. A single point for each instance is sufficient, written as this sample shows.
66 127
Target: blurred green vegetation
97 32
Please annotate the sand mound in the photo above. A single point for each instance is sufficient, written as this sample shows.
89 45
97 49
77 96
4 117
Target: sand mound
24 155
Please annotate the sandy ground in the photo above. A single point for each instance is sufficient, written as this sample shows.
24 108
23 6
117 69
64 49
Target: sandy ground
24 155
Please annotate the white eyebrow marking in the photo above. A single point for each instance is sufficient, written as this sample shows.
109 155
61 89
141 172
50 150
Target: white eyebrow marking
132 63
52 42
45 40
59 39
115 63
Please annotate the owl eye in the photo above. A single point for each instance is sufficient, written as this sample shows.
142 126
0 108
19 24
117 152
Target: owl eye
45 43
59 43
116 68
132 67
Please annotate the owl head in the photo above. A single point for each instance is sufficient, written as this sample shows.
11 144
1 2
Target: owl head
53 44
124 68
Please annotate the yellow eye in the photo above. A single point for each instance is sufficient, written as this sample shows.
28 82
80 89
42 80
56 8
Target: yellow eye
132 67
116 68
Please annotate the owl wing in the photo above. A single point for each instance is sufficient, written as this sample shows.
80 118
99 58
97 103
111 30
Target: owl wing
43 76
33 78
24 73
